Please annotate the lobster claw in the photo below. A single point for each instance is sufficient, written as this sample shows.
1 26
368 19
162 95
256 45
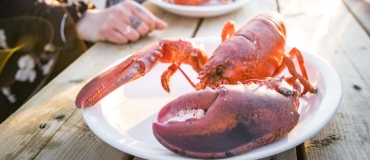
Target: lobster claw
175 51
237 118
132 68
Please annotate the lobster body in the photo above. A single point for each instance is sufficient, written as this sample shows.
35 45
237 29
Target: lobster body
254 51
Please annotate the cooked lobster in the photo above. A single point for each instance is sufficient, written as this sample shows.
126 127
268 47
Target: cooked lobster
254 52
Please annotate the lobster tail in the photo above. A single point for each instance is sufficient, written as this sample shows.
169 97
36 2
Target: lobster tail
265 27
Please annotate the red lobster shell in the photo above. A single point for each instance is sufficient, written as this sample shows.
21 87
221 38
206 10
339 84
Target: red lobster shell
237 119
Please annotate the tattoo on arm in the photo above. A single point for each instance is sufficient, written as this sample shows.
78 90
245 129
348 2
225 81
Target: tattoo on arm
135 22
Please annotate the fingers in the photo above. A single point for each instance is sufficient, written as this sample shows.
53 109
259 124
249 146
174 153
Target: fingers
160 24
141 19
138 25
111 34
118 38
119 31
128 21
147 17
130 33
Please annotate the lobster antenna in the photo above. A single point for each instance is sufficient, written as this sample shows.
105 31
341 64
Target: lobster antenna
186 76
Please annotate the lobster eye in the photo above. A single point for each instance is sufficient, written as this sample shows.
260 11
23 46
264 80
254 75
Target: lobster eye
218 71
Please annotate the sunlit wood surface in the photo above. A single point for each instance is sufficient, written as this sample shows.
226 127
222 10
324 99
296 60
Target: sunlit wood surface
335 30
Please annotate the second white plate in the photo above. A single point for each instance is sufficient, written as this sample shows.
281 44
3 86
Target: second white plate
209 9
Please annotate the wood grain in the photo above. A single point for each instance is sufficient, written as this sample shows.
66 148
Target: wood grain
334 35
361 10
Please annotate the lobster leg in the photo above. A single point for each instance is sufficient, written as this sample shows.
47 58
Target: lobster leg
228 30
166 76
178 52
288 62
132 68
294 53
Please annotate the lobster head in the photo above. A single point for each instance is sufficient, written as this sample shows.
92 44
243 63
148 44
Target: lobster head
231 62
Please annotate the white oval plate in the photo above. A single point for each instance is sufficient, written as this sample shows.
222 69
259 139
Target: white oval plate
124 118
209 9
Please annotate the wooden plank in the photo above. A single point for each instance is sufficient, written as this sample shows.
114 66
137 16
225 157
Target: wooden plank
361 10
337 37
65 134
287 155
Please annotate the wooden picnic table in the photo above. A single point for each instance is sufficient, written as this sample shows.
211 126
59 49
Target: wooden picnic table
49 126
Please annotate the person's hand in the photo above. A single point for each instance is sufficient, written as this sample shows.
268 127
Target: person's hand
124 22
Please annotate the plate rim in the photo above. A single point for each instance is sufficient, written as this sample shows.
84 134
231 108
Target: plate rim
200 8
174 8
334 84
